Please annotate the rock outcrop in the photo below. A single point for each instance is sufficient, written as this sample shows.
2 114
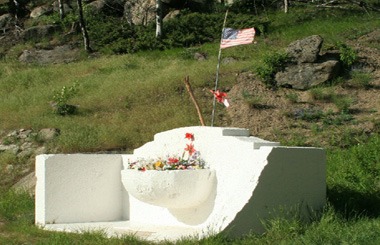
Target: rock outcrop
307 68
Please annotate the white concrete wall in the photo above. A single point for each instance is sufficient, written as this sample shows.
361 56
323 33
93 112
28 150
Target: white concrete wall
290 176
78 188
253 179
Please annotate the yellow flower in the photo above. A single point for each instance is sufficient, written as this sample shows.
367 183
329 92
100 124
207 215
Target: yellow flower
158 164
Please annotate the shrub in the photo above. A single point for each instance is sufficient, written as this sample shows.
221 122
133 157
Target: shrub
60 100
347 55
115 35
272 64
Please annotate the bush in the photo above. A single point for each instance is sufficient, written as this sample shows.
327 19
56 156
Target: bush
272 64
347 55
60 99
115 36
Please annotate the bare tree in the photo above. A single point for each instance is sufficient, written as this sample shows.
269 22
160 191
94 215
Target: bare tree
61 9
286 5
159 22
82 24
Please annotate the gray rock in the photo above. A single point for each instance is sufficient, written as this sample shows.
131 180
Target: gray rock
28 184
60 54
171 15
5 21
96 6
67 8
305 50
140 12
40 11
11 148
200 56
23 133
48 134
39 32
307 75
228 60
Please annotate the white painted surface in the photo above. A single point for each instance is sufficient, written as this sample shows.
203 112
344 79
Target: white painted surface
78 188
175 189
253 179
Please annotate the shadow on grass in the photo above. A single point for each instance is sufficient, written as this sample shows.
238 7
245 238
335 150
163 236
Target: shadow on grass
351 204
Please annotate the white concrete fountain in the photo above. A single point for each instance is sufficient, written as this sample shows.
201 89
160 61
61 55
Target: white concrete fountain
249 180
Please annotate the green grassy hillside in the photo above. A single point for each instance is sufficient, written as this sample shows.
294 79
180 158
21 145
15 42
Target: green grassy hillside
122 101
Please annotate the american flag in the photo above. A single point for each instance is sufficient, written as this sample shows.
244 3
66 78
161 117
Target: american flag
232 37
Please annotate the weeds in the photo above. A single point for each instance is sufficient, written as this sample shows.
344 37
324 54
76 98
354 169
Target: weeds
253 101
322 94
359 80
61 98
292 97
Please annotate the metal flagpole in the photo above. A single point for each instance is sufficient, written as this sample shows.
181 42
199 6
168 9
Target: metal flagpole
217 71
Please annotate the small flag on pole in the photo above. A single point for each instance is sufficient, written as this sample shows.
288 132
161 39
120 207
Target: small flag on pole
232 37
221 97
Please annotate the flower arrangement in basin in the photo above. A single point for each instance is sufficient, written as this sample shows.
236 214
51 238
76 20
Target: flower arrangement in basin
171 182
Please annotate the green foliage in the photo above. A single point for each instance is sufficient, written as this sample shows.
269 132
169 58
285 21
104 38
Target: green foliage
292 97
343 102
115 36
322 94
272 64
359 80
61 98
192 29
253 7
347 55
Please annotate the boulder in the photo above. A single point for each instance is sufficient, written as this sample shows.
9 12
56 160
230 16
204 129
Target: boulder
39 32
5 21
305 50
307 68
67 8
96 6
41 10
140 12
27 184
60 54
306 75
48 134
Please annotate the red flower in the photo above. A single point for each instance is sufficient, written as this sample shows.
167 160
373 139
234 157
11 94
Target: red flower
189 136
221 97
173 160
190 148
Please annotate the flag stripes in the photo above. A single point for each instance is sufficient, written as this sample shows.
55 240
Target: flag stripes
232 37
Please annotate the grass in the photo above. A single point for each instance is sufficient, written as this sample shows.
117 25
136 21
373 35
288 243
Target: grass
124 100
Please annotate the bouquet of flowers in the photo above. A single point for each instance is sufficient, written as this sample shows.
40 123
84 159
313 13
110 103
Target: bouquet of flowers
191 162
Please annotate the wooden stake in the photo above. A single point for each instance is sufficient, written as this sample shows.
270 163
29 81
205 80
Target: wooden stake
188 87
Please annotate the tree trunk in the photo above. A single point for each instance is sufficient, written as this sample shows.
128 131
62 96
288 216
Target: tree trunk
82 24
158 19
286 5
61 9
